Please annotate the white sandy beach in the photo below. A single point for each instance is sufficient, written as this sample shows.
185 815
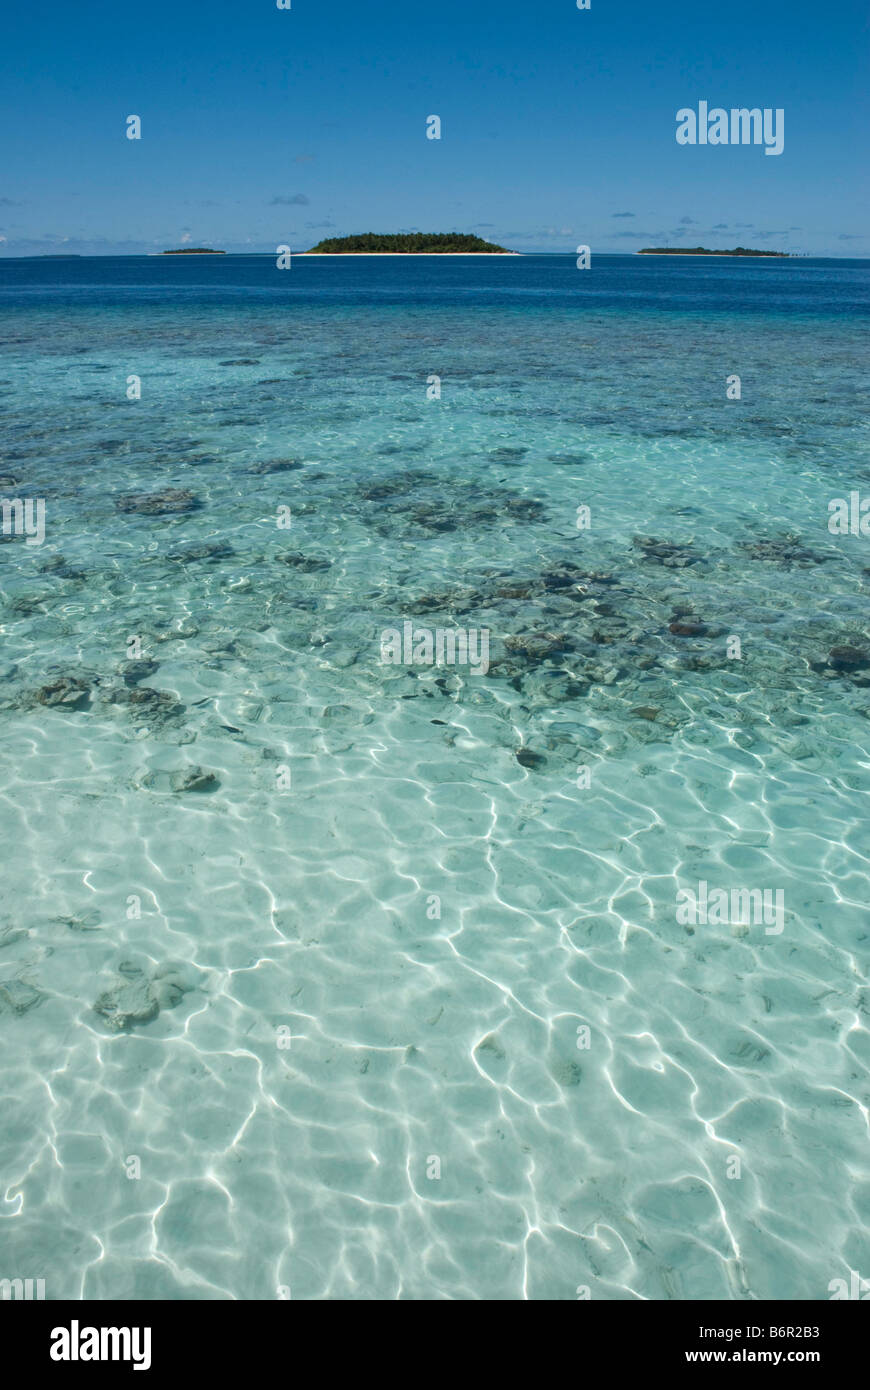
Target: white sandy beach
406 255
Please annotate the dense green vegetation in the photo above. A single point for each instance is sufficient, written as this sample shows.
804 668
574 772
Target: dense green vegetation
702 251
407 243
194 251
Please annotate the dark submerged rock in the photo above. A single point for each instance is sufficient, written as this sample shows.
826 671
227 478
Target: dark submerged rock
168 500
137 999
666 553
275 466
67 692
537 646
211 550
510 453
846 658
194 779
785 551
135 671
307 564
18 997
569 460
526 757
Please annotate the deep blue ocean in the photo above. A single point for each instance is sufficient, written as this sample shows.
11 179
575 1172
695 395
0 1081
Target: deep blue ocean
681 284
328 975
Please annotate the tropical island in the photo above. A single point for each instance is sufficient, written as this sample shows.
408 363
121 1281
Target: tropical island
702 251
407 244
193 251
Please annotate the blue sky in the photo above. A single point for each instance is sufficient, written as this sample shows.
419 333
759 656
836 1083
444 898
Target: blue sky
262 125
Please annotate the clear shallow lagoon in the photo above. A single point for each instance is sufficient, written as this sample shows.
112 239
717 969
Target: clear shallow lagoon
308 907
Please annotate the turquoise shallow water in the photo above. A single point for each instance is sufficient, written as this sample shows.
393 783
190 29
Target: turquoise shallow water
335 1083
